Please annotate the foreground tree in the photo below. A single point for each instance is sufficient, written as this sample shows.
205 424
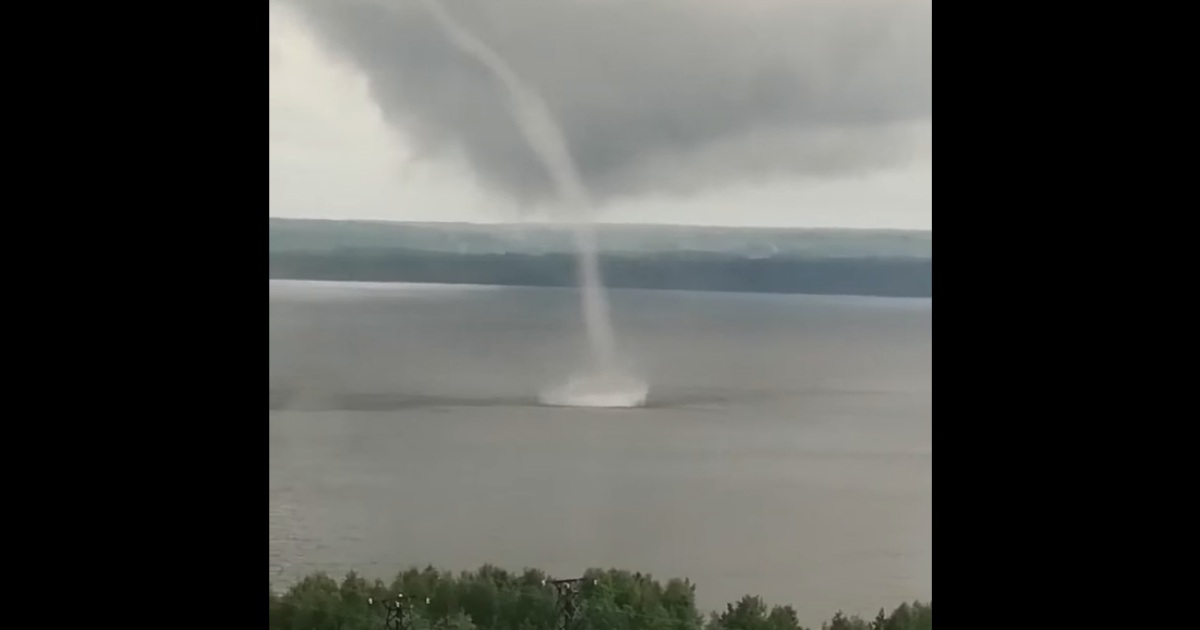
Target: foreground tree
495 599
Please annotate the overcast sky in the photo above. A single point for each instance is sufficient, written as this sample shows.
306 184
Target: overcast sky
714 112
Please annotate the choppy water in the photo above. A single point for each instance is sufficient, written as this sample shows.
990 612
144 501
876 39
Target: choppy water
786 449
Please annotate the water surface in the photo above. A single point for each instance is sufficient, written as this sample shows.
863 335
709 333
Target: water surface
786 451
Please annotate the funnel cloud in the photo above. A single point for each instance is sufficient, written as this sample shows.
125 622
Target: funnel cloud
653 96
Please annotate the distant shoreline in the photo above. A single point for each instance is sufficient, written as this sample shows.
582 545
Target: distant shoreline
401 286
679 258
681 272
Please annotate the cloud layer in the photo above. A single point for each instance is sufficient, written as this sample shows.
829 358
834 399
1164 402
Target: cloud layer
654 96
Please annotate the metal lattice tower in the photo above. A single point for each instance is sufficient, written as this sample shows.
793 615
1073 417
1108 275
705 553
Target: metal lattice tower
569 594
398 612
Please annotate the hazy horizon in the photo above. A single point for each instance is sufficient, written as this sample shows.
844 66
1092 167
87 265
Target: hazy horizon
551 222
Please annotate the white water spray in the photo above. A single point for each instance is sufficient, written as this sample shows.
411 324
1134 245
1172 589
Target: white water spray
603 385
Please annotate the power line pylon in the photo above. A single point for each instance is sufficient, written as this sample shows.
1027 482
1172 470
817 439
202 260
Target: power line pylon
398 612
569 595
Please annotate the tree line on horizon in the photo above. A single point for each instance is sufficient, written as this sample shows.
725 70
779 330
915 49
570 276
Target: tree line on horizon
696 271
494 599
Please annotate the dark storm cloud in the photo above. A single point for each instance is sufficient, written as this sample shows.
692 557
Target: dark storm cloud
654 95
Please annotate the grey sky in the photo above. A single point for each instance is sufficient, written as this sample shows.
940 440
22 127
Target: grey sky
768 112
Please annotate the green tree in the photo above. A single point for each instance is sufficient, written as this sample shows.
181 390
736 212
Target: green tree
783 618
749 613
494 599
